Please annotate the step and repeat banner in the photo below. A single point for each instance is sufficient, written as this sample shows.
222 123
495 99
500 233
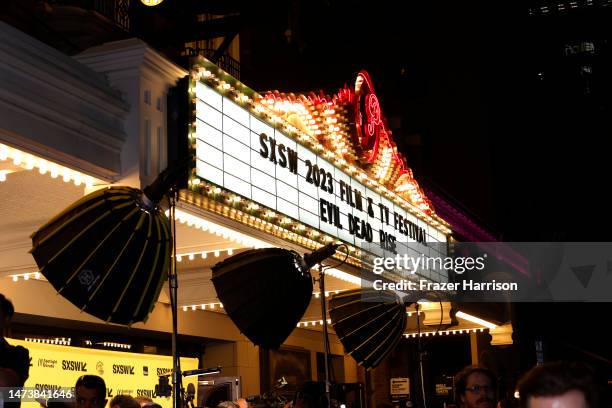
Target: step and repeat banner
55 367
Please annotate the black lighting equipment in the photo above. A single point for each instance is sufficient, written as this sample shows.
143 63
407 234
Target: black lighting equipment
108 253
266 292
164 389
369 323
202 371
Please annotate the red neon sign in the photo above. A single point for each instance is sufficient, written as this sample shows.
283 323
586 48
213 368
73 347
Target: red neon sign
368 116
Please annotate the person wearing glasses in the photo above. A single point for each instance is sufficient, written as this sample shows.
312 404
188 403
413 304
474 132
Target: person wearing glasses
475 387
90 392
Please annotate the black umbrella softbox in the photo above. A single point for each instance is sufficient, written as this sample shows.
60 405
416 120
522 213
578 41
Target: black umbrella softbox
369 323
265 292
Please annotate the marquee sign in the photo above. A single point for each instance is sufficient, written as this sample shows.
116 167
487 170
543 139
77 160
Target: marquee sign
240 151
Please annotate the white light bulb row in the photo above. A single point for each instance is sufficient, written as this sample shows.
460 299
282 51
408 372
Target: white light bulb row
60 341
347 277
115 345
445 332
29 162
204 254
410 314
203 306
26 276
199 223
312 323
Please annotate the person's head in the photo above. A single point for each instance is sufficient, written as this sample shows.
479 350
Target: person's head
242 403
558 384
8 377
6 313
475 387
90 392
124 401
144 401
227 404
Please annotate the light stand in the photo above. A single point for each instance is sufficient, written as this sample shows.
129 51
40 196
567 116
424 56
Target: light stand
173 283
311 259
325 332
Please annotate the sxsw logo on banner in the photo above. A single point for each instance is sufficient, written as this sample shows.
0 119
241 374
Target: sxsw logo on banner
70 365
123 369
163 371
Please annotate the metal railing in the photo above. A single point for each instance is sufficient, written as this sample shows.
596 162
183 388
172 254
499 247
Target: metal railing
225 62
116 11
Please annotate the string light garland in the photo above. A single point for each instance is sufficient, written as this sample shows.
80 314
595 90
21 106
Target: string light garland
62 341
218 306
312 323
445 332
115 345
191 256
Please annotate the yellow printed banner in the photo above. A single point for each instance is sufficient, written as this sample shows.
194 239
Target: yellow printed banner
53 367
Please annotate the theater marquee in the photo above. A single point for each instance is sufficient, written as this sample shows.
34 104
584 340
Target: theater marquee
241 150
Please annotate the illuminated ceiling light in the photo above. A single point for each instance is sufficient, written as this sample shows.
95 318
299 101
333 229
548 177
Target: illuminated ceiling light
17 157
29 162
476 320
15 278
2 176
151 3
336 273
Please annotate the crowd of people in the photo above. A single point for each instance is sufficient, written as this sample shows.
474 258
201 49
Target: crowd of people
550 385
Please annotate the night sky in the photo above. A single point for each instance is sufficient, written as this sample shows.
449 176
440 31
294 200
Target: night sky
474 95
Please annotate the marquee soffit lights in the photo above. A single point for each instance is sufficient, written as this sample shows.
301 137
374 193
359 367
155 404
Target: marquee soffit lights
218 306
26 161
321 127
221 202
445 332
